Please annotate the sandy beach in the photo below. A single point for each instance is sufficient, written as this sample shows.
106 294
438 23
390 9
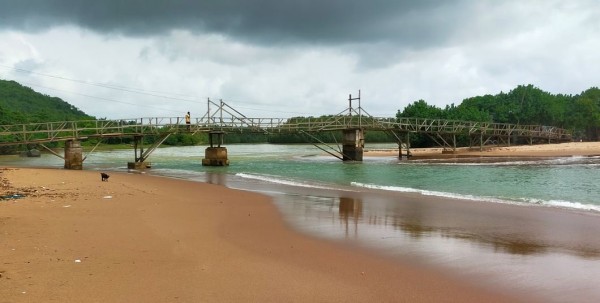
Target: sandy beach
538 150
139 238
142 238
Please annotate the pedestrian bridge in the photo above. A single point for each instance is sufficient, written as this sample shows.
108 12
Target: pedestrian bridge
224 119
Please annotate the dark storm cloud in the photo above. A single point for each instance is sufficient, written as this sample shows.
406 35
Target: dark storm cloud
268 21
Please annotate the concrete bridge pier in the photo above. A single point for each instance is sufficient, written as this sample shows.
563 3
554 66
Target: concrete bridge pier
215 155
140 155
405 145
353 144
73 155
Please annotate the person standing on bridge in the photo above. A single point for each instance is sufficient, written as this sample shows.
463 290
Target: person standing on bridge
187 120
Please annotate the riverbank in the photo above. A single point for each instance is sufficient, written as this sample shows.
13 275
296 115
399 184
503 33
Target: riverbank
139 238
538 150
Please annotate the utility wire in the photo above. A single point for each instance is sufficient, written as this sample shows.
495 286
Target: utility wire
109 86
134 90
100 98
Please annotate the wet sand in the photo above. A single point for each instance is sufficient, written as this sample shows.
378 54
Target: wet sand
539 251
140 238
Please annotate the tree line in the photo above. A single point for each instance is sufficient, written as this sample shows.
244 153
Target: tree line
525 105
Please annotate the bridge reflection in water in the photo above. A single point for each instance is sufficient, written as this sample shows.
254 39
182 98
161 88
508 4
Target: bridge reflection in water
350 212
416 220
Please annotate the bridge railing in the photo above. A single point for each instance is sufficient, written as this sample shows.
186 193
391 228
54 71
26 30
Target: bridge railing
416 125
67 130
486 128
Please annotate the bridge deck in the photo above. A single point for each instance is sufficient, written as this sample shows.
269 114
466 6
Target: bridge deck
79 130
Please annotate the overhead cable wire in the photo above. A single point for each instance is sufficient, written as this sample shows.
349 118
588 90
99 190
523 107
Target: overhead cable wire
109 86
137 91
100 98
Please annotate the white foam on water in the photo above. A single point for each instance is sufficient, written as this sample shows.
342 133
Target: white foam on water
575 205
279 180
522 201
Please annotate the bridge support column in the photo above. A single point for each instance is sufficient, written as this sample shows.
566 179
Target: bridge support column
353 144
140 160
406 145
215 155
481 141
138 165
73 155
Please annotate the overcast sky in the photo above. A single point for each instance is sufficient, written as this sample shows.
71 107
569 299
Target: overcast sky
280 58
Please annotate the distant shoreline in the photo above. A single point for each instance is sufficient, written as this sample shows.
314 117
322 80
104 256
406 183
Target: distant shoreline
570 149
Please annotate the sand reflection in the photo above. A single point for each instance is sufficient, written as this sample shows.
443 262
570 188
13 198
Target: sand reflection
518 231
350 213
216 178
513 246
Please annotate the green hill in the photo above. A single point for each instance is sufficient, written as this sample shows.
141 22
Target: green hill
525 104
20 104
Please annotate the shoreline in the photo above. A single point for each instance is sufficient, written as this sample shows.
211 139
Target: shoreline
137 238
570 149
494 235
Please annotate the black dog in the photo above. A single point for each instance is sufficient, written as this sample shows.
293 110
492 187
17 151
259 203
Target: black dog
104 177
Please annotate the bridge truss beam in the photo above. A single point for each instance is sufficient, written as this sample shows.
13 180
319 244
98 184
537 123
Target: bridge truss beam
224 118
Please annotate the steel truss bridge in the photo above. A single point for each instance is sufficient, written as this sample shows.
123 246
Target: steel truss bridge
220 117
